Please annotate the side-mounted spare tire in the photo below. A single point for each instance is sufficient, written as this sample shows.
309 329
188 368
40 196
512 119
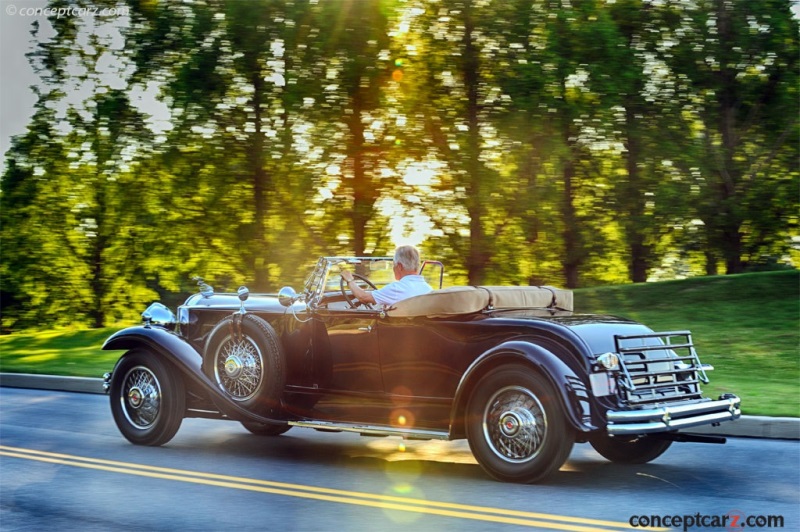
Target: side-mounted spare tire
243 356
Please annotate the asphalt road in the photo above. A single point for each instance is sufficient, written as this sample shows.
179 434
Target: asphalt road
64 466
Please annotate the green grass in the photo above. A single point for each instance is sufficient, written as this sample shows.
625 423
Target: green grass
74 352
746 326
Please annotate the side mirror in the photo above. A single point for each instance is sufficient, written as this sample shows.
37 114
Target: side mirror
287 296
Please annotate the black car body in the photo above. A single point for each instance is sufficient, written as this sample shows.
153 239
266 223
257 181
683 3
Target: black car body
512 369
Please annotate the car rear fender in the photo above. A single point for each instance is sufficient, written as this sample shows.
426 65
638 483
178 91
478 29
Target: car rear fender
571 390
186 359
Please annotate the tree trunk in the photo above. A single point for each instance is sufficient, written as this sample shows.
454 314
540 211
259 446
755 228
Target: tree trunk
362 88
260 246
634 199
476 202
711 263
362 205
99 244
729 172
572 248
732 242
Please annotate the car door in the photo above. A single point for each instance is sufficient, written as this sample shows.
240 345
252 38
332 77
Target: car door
421 357
422 361
345 351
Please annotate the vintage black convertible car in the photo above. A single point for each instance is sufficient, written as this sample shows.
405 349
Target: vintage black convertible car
512 369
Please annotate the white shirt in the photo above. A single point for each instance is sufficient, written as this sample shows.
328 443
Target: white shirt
408 286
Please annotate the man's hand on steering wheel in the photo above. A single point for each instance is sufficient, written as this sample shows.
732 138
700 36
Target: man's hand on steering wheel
346 278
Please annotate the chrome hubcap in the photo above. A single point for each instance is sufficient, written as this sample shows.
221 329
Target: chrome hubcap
515 424
233 367
135 397
511 423
141 397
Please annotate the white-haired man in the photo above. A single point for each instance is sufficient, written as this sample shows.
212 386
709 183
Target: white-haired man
408 281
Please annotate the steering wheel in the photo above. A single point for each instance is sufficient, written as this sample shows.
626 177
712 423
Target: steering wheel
353 301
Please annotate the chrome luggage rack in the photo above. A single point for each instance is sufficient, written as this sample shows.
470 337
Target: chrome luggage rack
663 367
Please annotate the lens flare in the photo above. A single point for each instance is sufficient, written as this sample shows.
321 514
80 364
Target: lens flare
400 417
404 489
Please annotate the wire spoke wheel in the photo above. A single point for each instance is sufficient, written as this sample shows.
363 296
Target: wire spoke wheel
239 368
243 356
148 399
141 397
515 424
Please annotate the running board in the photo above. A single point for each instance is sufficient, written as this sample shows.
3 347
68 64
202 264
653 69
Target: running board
373 430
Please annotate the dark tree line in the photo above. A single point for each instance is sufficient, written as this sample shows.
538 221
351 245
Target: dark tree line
535 141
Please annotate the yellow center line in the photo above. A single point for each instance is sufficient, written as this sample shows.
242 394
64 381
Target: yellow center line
387 502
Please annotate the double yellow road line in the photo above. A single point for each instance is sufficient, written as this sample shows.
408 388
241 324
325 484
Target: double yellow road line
385 502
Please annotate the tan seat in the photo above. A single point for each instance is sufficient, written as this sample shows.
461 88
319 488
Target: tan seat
469 299
508 297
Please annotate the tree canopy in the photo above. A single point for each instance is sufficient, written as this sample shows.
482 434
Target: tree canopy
521 142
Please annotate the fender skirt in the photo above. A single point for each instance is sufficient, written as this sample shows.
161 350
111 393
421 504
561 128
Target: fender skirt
188 361
570 389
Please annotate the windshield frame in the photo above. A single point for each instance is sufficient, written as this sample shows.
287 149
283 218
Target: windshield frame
325 277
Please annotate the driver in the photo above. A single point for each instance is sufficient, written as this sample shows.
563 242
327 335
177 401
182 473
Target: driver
409 283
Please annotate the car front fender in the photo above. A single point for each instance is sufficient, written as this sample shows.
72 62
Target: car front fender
186 359
571 390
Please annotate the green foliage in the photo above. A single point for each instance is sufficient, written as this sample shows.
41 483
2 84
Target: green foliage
519 141
739 66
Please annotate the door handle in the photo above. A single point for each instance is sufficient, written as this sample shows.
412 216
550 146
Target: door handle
368 328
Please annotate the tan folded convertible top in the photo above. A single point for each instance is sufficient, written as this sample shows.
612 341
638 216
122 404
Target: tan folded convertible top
470 299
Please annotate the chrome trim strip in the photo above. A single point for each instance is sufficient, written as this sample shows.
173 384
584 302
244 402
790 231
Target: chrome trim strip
632 429
373 430
652 414
668 418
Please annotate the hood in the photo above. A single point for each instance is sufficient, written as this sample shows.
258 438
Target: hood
256 302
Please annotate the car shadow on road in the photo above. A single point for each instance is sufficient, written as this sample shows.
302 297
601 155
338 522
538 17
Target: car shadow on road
437 459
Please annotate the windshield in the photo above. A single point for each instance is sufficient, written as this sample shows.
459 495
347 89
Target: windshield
378 271
326 275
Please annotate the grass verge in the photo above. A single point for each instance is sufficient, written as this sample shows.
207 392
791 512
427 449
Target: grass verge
747 326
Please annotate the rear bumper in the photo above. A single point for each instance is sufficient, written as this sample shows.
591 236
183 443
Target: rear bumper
673 417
